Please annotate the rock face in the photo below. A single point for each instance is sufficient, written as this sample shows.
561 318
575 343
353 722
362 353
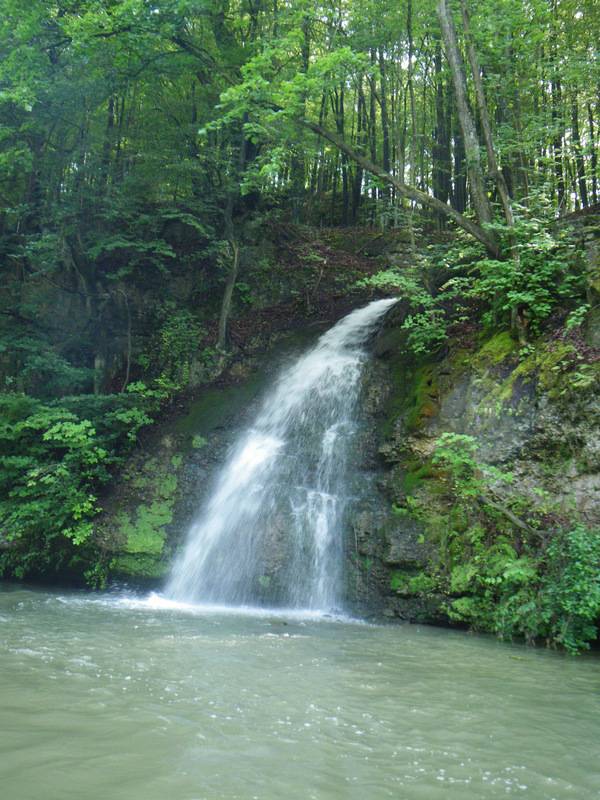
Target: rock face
152 505
536 415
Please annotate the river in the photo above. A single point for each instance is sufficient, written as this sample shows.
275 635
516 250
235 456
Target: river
109 697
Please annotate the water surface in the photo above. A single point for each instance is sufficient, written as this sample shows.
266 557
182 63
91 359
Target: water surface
105 698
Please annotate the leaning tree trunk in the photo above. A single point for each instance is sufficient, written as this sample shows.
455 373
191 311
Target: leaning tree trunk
410 192
479 197
231 277
228 294
484 118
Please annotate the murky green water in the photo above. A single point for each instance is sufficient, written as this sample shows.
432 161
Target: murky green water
110 700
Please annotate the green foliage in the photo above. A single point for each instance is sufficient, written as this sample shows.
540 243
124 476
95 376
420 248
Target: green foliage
455 452
544 271
411 584
577 318
501 568
569 598
175 353
55 458
426 321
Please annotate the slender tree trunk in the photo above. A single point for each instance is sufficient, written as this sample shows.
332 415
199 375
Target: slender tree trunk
578 152
228 294
459 195
107 145
521 156
411 94
231 277
594 156
128 347
340 127
484 118
423 172
321 169
385 127
360 146
118 168
441 140
479 197
298 160
402 136
196 178
557 143
373 125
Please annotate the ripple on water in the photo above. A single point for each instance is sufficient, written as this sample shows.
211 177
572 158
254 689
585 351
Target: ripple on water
121 697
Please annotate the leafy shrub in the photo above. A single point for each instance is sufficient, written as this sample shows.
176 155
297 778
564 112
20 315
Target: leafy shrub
426 321
543 272
171 349
569 597
54 458
501 566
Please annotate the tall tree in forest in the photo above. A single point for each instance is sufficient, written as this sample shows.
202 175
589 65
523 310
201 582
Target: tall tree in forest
475 172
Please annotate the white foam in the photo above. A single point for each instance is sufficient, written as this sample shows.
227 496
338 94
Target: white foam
157 602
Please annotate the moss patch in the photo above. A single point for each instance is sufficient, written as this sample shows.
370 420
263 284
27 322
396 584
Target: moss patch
137 531
424 398
139 565
495 350
215 406
145 534
414 396
546 367
416 474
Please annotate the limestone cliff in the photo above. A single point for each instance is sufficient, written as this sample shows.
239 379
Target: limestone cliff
535 416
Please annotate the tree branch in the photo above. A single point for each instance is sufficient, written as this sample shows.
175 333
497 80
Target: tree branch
422 198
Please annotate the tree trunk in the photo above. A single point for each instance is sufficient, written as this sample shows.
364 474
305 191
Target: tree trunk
108 144
441 141
557 143
411 94
340 127
298 161
459 194
228 294
373 126
479 197
484 118
422 198
578 153
385 127
360 146
594 158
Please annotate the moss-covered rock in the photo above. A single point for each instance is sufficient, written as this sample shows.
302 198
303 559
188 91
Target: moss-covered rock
151 506
133 529
534 413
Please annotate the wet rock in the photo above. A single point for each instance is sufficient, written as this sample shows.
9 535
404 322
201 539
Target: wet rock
405 544
536 416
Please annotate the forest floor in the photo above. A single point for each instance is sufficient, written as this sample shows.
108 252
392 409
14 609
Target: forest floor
323 267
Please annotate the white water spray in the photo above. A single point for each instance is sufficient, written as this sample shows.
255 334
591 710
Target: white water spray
272 528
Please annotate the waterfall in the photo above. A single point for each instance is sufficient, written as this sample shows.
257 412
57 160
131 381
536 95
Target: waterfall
271 530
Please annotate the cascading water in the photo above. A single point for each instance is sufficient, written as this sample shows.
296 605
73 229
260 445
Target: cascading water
272 528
